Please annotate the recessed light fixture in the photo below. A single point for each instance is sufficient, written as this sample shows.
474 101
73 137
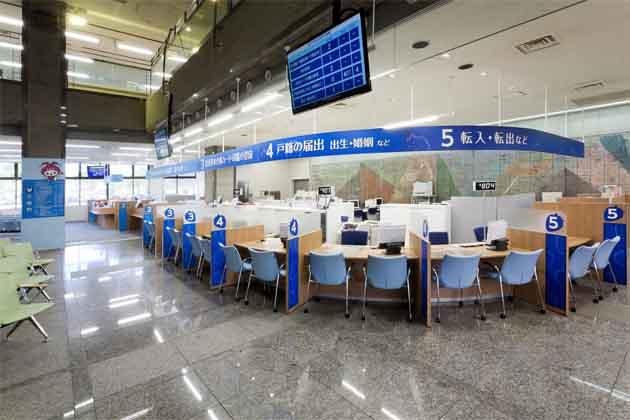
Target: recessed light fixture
410 123
483 74
82 37
77 20
193 132
446 55
81 59
194 50
126 154
420 45
78 75
188 29
134 49
9 151
391 73
10 143
11 21
466 66
63 121
63 115
11 46
137 149
260 102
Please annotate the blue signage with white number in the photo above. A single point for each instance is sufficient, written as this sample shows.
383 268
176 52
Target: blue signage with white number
293 227
219 221
190 217
613 213
379 140
554 222
169 213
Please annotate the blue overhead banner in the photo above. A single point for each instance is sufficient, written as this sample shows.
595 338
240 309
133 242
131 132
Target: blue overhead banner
378 140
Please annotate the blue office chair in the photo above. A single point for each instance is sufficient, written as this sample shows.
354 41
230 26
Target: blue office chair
176 242
234 264
388 273
579 266
481 232
459 272
195 252
601 261
265 268
150 227
358 214
354 237
519 268
438 238
206 254
329 270
372 213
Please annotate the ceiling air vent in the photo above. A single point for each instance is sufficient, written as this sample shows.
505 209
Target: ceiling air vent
587 86
537 44
621 95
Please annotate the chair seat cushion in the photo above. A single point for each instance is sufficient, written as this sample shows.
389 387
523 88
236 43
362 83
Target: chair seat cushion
22 311
42 262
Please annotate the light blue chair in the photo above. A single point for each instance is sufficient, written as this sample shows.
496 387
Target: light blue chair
150 226
329 270
388 273
579 267
519 268
206 254
195 252
266 269
176 242
459 272
234 264
601 261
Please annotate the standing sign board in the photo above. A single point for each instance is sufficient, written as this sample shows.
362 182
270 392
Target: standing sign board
293 265
219 224
556 257
615 224
169 222
188 228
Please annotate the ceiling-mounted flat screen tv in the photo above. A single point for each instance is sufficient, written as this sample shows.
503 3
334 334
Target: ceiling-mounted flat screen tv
162 147
330 66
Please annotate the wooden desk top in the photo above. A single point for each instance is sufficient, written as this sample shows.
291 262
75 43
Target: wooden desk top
102 210
360 253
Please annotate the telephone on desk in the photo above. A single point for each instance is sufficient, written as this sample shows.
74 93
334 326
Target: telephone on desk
499 244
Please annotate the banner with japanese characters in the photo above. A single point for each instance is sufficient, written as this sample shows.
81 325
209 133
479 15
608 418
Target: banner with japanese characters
378 140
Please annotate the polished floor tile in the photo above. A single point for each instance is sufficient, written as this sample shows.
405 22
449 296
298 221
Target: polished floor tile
132 337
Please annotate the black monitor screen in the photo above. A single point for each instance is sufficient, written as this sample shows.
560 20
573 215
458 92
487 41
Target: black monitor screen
162 146
96 171
331 66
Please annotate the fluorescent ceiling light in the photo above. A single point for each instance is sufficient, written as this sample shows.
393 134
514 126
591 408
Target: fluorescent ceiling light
84 403
194 50
245 124
221 119
11 21
152 87
446 55
11 46
270 97
82 146
161 74
410 123
139 149
11 64
72 57
389 72
82 37
11 143
77 158
193 132
126 154
134 49
123 321
78 75
77 20
176 58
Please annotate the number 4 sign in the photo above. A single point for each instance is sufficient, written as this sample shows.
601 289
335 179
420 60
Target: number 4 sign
219 221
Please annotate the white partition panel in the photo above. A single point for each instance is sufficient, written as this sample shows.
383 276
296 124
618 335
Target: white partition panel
437 215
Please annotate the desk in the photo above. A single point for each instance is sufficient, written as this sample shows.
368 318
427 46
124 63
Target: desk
104 216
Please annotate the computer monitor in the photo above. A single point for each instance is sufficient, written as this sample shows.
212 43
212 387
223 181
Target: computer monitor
379 201
497 229
355 202
388 234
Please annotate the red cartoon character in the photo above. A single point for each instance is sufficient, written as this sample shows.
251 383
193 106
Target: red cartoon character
50 170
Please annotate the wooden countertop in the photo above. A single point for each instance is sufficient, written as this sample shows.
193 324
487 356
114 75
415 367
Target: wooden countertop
102 210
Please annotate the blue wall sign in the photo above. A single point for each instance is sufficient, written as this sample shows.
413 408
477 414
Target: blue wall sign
189 228
169 213
169 221
293 227
378 140
43 198
219 221
190 217
218 238
613 213
554 222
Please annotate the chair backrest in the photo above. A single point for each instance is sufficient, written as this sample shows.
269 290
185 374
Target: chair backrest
438 238
354 237
581 260
175 236
150 228
327 268
9 298
480 233
15 264
387 272
194 244
206 247
233 260
458 271
602 255
519 266
23 250
264 264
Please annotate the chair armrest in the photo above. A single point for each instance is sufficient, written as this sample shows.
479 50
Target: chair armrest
32 285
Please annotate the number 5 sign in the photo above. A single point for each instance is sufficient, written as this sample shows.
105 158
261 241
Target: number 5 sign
554 222
613 213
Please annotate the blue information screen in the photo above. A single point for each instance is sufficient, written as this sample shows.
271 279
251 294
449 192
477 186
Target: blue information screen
96 172
331 66
162 147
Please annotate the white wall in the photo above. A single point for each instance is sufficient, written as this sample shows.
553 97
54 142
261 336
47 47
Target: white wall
266 176
76 213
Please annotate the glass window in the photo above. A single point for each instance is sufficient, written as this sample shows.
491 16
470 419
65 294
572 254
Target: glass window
139 171
72 170
8 190
121 189
72 192
140 187
93 189
186 186
121 169
170 186
7 170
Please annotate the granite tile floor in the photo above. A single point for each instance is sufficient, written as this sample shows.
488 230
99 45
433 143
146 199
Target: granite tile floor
134 339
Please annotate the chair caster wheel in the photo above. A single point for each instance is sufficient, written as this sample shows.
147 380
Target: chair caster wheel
275 309
461 303
437 319
482 317
476 301
543 311
615 289
246 302
346 315
362 317
595 300
601 297
573 309
306 310
502 316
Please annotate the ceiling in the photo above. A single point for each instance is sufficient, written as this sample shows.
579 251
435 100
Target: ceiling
592 43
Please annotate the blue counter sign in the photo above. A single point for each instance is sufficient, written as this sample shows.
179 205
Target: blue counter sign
613 213
293 227
190 216
219 221
554 222
169 213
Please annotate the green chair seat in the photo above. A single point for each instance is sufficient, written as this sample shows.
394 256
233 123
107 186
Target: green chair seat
21 312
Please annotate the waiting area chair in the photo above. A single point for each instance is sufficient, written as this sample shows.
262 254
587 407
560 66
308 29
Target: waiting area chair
25 250
389 273
438 238
206 254
17 266
266 269
196 253
329 270
176 242
601 262
579 267
519 268
234 264
459 272
354 237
